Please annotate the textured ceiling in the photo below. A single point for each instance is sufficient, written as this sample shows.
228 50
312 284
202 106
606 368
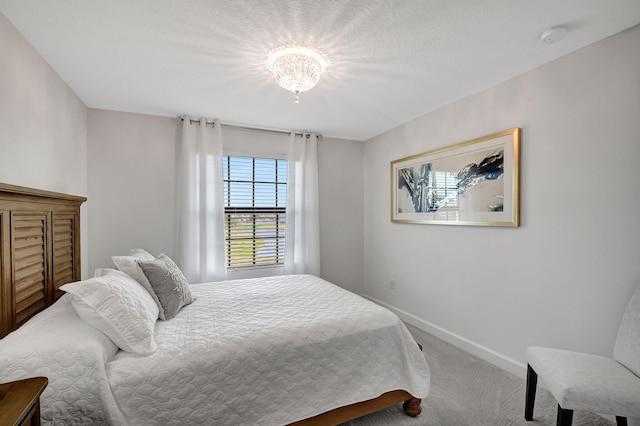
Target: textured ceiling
390 60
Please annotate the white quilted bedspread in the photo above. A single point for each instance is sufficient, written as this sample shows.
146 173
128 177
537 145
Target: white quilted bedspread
266 351
58 345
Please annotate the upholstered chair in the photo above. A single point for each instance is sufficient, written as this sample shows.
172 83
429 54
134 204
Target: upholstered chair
593 383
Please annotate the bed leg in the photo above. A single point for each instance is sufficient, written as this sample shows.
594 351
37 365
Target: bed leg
412 407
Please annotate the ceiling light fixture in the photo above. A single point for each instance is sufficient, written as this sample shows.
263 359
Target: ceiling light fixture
297 69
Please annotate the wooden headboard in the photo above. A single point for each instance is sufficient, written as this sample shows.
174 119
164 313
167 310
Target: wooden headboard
39 250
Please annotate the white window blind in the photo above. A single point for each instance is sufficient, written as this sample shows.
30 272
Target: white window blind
255 194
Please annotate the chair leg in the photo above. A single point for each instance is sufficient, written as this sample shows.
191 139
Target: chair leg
530 398
621 421
565 417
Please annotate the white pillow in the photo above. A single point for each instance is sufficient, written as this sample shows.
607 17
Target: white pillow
118 306
141 254
129 265
107 271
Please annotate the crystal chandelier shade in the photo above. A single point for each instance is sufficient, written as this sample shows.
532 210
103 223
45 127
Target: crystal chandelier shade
296 69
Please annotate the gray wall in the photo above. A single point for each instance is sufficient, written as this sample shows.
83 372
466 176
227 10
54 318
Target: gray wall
130 184
131 171
561 279
341 193
43 124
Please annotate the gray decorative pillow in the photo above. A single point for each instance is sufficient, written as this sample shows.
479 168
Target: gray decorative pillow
168 283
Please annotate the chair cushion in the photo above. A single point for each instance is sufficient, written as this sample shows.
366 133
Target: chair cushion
587 382
627 348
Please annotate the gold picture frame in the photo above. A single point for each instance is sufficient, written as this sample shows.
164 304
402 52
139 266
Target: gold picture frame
471 183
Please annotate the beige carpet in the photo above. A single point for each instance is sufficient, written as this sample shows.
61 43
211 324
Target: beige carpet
466 391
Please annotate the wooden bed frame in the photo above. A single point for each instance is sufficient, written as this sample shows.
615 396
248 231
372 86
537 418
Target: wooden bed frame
40 251
410 405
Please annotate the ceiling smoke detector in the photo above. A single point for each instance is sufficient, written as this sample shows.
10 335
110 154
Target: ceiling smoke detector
554 35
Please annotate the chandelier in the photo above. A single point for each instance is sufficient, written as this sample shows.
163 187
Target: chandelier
297 69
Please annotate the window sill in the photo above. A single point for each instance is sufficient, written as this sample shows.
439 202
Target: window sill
255 272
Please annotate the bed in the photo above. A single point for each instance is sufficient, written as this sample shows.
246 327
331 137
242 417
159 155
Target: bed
272 351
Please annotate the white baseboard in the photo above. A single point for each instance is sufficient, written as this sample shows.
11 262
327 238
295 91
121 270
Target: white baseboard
482 352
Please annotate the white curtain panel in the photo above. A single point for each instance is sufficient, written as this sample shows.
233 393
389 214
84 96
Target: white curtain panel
302 251
200 250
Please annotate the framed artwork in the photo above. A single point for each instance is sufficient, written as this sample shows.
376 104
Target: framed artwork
471 183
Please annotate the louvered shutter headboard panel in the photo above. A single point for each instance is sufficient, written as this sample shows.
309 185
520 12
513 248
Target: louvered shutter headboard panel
29 243
64 256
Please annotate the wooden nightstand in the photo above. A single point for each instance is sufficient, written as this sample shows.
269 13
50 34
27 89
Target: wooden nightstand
20 401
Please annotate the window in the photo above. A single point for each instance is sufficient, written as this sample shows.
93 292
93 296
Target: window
255 198
445 189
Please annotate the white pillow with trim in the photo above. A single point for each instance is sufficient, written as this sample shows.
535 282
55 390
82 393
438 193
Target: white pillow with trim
118 306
